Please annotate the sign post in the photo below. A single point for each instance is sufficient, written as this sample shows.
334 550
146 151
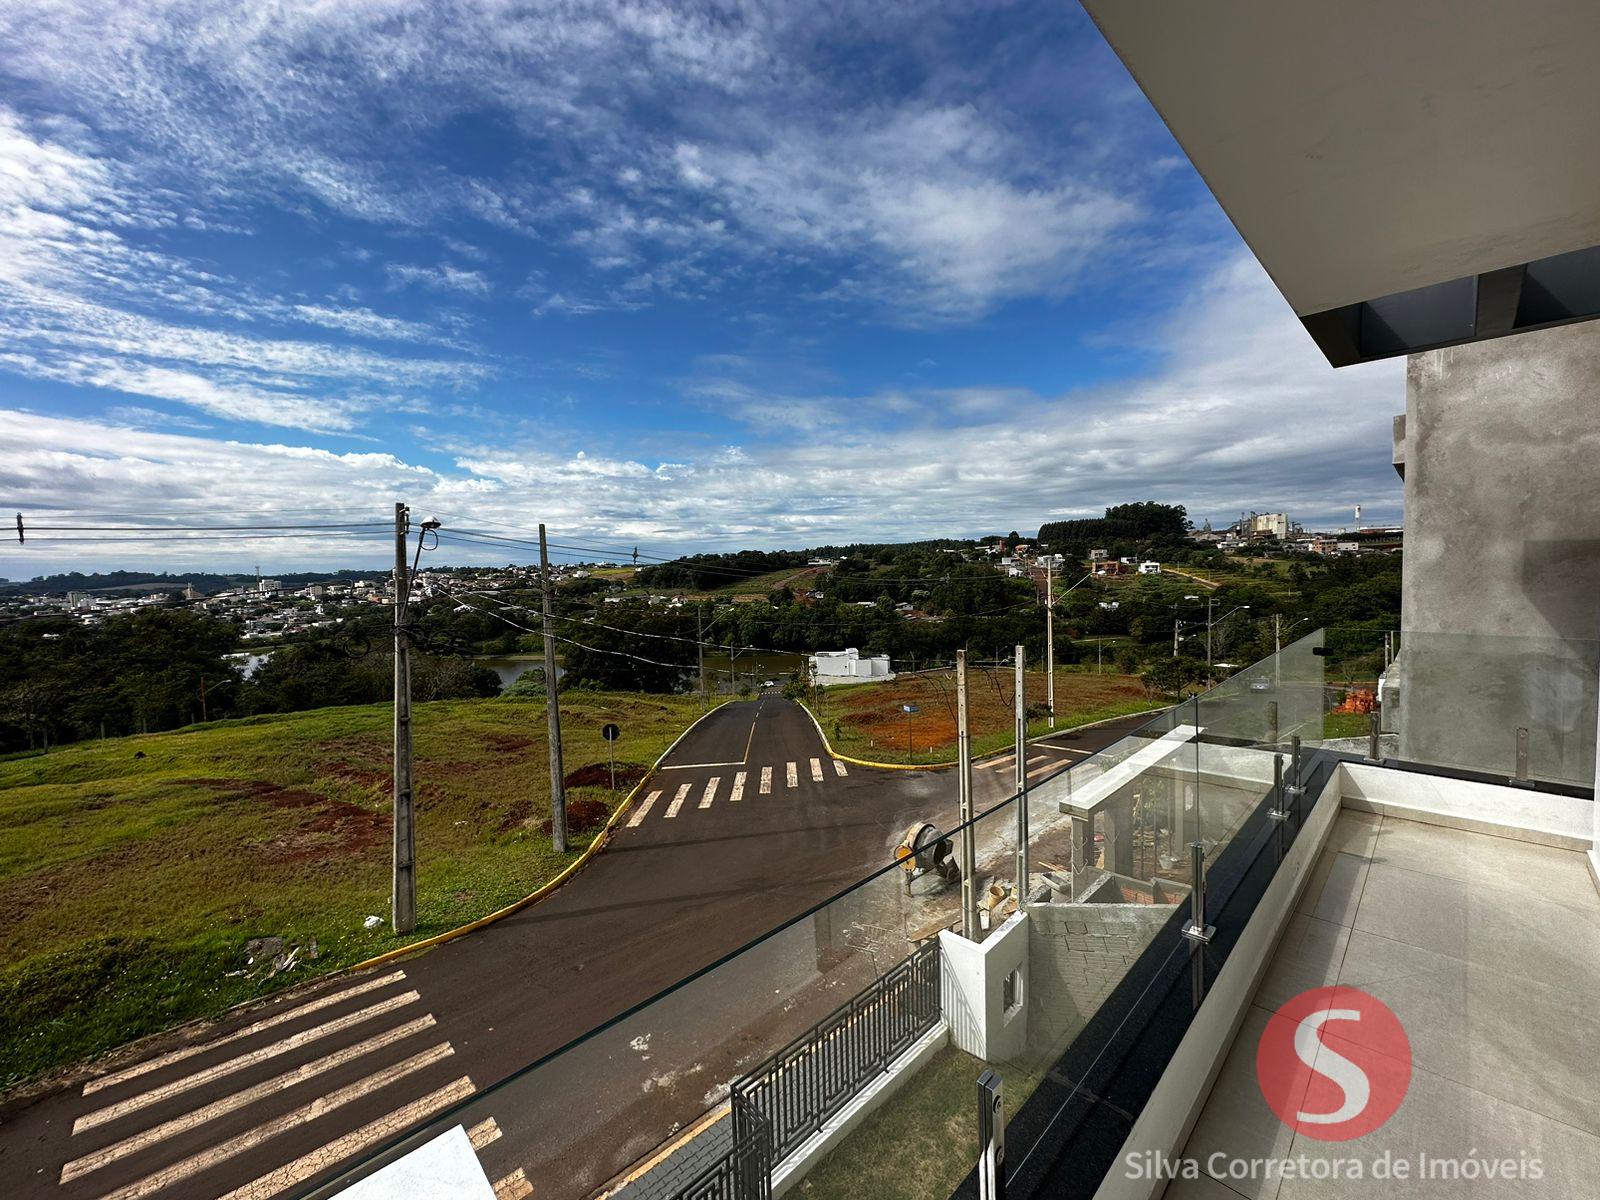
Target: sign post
611 733
908 709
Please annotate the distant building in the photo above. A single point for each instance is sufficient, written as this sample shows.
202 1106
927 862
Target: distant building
267 586
848 666
1149 568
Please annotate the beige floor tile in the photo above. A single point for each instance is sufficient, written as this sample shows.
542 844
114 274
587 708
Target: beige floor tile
1509 1036
1203 1187
1557 876
1334 890
1308 956
1511 932
1443 1119
1236 1121
1353 833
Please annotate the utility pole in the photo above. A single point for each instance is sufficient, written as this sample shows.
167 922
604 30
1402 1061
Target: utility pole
700 649
1277 633
1022 787
203 716
1210 607
1174 637
969 835
404 900
558 792
1050 642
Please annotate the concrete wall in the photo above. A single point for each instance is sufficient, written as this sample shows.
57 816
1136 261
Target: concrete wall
1502 442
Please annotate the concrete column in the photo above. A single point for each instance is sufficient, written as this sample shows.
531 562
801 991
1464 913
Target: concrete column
1119 835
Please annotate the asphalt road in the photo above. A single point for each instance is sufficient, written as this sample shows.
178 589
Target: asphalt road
747 823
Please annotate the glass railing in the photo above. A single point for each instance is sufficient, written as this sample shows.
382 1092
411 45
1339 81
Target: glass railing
1513 708
1072 985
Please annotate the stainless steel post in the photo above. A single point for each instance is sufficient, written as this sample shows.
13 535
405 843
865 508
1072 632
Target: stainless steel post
991 1137
1521 779
1197 930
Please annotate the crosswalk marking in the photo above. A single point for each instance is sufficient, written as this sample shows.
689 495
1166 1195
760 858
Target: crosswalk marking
248 1140
172 1056
839 767
738 788
144 1099
484 1132
766 781
131 1145
356 1140
794 776
710 792
514 1186
644 810
816 770
677 802
1049 766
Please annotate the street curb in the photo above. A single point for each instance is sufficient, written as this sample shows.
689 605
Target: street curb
945 766
544 890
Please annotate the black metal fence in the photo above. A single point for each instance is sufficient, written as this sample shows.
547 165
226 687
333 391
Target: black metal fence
744 1170
796 1090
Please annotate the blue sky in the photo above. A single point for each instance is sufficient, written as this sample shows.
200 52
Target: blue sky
675 275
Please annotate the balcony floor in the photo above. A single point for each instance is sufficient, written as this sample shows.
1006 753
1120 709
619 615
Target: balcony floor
1488 950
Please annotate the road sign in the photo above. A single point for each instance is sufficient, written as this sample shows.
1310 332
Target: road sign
611 733
909 708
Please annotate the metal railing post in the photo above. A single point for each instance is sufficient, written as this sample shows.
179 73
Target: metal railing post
1197 930
1521 778
991 1137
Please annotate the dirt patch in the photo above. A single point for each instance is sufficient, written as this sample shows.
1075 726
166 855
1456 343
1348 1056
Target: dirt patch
363 777
599 775
328 830
507 743
582 816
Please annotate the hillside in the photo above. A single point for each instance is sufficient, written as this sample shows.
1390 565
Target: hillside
133 871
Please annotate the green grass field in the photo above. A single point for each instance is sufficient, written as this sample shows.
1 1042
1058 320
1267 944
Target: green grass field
131 884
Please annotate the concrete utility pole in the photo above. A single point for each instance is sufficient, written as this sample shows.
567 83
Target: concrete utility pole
1050 642
700 649
404 900
558 786
969 835
1022 787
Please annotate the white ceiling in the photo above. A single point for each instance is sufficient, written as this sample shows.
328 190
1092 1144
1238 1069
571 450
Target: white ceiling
1365 147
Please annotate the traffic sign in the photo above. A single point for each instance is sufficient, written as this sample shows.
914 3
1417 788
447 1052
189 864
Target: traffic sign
909 708
611 733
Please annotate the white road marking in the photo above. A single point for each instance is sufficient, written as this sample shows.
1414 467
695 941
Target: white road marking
696 766
794 776
514 1186
997 762
307 1165
251 1138
839 767
1067 749
677 802
1049 766
484 1132
738 788
172 1056
131 1145
816 770
643 810
766 781
710 793
293 1042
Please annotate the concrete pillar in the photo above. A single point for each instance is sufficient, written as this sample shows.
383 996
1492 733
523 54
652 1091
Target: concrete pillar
1594 850
1119 834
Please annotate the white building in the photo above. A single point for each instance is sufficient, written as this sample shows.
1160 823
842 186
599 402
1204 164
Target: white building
1149 568
848 666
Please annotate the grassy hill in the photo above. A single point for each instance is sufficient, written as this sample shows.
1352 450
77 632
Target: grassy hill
134 871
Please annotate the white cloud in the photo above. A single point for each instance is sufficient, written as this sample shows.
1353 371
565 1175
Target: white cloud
442 278
1242 413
